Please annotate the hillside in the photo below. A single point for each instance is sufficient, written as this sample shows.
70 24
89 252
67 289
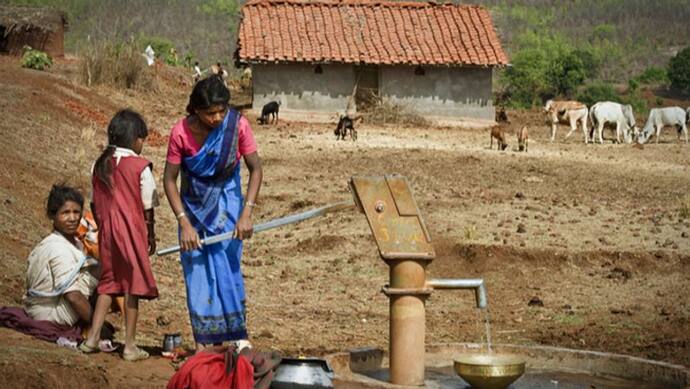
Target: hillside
628 35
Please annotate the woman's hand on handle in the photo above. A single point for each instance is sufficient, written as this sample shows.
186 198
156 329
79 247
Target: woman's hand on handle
245 227
189 238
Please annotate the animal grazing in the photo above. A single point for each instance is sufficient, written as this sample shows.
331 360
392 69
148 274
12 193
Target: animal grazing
345 123
269 109
568 112
522 138
609 112
497 132
660 117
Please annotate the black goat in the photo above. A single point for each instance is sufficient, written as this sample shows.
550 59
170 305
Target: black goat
344 124
270 109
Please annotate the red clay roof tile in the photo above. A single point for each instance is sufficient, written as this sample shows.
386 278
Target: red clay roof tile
368 31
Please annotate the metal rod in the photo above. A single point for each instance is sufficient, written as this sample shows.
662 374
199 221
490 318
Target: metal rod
298 217
477 284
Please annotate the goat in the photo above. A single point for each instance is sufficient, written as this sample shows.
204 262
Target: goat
269 109
522 138
497 132
345 123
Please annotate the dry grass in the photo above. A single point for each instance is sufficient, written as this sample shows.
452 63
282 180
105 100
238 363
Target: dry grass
381 111
470 232
118 65
684 207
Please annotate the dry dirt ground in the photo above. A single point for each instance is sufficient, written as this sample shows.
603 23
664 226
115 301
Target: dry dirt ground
596 236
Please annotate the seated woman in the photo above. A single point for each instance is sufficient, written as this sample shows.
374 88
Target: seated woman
60 278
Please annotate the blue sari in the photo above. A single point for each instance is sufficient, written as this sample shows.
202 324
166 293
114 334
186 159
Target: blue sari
212 197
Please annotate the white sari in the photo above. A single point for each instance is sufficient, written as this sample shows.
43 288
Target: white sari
52 271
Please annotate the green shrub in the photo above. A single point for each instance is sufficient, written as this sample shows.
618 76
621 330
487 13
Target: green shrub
635 99
679 70
590 62
596 92
163 48
544 67
659 101
565 73
653 75
35 59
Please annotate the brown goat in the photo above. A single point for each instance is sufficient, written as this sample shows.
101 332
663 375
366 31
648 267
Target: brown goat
522 138
497 132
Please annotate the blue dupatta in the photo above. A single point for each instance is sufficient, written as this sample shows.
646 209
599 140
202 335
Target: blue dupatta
212 197
205 174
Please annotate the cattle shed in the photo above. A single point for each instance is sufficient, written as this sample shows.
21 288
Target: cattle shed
41 28
323 57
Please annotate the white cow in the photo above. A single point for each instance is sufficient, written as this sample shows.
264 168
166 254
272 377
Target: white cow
570 112
660 117
609 112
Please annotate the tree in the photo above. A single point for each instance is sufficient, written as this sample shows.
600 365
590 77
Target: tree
565 73
679 70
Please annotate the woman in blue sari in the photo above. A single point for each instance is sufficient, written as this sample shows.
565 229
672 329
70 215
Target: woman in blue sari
205 147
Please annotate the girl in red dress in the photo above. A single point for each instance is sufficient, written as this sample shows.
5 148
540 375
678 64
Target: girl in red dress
123 199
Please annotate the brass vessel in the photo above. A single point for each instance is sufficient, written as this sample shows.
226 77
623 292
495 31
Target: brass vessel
489 371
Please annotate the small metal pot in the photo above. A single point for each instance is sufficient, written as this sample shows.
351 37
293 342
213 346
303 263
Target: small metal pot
170 341
304 373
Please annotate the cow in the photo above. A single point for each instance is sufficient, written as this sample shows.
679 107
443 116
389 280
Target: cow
621 115
270 109
660 117
522 138
568 112
497 132
345 123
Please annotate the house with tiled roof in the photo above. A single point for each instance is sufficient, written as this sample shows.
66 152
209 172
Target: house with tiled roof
317 57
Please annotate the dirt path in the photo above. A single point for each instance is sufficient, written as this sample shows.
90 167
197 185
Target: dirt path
593 232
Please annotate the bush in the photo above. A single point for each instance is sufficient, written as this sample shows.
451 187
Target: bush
638 102
120 65
544 67
163 48
565 73
653 75
35 59
596 92
679 70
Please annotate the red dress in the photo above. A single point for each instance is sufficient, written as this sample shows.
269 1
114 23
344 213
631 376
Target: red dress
122 233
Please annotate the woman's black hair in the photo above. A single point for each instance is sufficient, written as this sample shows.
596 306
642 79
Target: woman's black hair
125 127
207 92
59 195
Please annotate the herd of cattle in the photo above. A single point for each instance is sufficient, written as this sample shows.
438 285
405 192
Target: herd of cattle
592 120
621 116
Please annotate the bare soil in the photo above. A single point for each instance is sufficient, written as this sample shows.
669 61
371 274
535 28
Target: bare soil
596 236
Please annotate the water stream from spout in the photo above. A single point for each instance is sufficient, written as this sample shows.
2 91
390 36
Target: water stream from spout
487 327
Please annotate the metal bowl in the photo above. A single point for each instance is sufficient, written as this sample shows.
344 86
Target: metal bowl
489 371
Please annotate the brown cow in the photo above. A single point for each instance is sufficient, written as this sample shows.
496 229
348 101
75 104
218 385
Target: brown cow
498 133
